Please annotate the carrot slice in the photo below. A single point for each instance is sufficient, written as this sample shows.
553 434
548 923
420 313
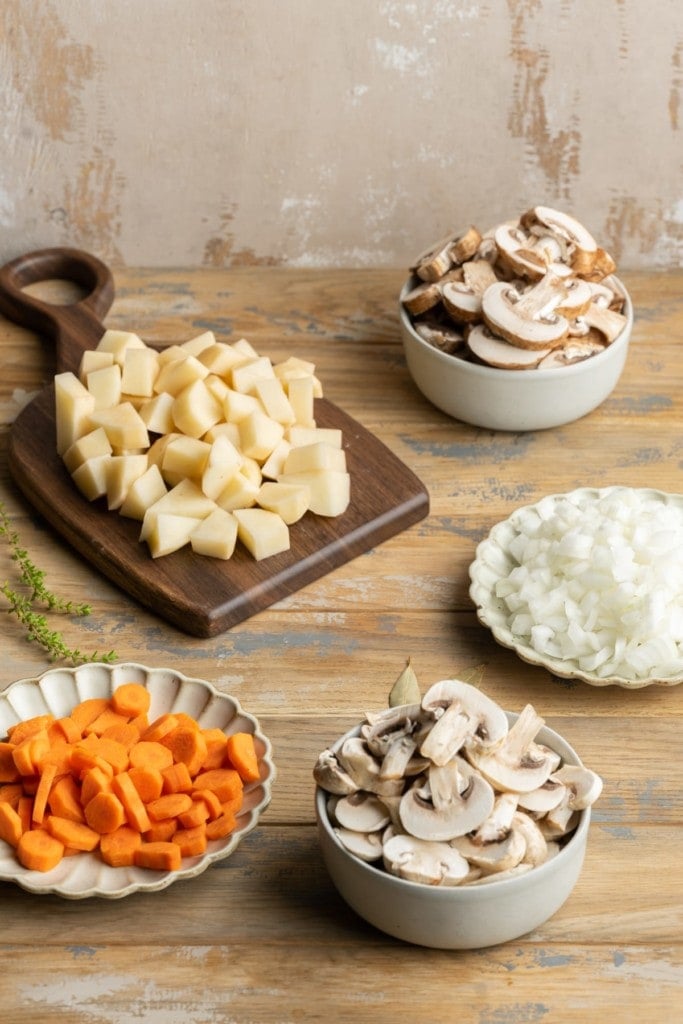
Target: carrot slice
118 848
11 793
131 699
95 781
241 752
159 856
161 727
196 815
192 841
37 850
221 827
188 746
177 779
88 710
104 721
150 754
104 813
213 805
149 782
8 769
169 806
24 809
11 827
29 727
64 799
136 814
67 727
161 831
225 782
74 834
216 745
127 734
42 792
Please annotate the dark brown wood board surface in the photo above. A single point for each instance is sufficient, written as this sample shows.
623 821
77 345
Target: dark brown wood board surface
201 596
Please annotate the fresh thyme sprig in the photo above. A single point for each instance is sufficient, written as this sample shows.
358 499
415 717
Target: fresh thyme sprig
23 605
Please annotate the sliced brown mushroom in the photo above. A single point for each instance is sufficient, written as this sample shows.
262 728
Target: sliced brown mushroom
435 261
583 247
462 299
422 297
417 860
494 351
573 350
528 320
515 253
448 339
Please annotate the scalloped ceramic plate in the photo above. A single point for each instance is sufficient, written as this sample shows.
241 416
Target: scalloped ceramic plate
56 692
493 562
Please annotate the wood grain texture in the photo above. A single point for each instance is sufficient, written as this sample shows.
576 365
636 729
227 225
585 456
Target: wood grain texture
264 937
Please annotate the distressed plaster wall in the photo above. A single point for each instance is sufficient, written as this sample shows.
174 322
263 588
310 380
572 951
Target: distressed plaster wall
335 132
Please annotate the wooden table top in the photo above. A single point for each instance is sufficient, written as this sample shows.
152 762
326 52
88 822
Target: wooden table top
264 937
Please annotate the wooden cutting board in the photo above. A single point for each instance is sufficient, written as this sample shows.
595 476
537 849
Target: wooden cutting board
201 596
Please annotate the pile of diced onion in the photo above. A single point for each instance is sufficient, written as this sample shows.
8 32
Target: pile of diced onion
599 582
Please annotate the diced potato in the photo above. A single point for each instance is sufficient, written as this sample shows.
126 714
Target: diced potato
244 376
223 429
122 471
259 434
169 533
87 447
301 399
73 408
252 470
91 477
175 374
195 346
185 499
272 396
239 492
184 457
156 451
263 533
289 501
118 342
217 386
294 366
246 348
156 413
123 425
140 371
143 493
273 466
105 386
195 409
220 358
237 406
216 535
299 436
318 455
93 360
171 354
330 490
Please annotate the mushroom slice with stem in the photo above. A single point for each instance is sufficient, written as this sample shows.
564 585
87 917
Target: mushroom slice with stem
381 730
499 821
462 299
536 844
494 351
489 723
400 762
573 350
515 764
418 860
528 319
465 245
559 821
330 776
545 798
501 876
585 786
500 855
462 812
422 297
514 251
362 812
583 248
355 757
435 261
366 846
601 318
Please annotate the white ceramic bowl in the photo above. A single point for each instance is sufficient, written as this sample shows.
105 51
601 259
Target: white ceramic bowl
57 691
459 917
514 400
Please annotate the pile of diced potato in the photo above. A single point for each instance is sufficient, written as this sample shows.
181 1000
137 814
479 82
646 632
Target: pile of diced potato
205 442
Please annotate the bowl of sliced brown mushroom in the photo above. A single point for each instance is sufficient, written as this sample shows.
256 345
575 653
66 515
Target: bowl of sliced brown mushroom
451 823
522 327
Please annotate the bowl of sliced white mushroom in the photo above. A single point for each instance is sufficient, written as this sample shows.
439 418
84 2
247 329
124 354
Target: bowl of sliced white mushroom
523 327
451 823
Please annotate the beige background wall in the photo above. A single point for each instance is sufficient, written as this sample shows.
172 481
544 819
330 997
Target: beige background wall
335 132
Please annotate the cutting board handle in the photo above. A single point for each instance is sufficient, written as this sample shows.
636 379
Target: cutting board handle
74 326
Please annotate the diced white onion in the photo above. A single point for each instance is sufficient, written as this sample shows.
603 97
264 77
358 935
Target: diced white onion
598 580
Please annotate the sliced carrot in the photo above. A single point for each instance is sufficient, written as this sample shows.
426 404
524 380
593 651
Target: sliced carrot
74 834
216 742
25 811
159 856
150 754
67 727
64 799
88 710
196 815
95 781
136 814
131 699
169 806
47 778
29 753
29 727
213 805
141 723
149 782
241 752
8 769
118 848
11 827
192 841
104 721
10 793
126 734
104 813
113 752
160 727
176 779
37 850
233 806
221 827
161 831
187 746
225 782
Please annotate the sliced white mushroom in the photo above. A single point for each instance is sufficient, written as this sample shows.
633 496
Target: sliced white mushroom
501 876
465 810
585 786
543 799
365 846
399 760
499 821
515 764
489 723
431 863
527 320
362 767
573 350
536 844
559 821
494 351
362 812
500 855
330 775
382 729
